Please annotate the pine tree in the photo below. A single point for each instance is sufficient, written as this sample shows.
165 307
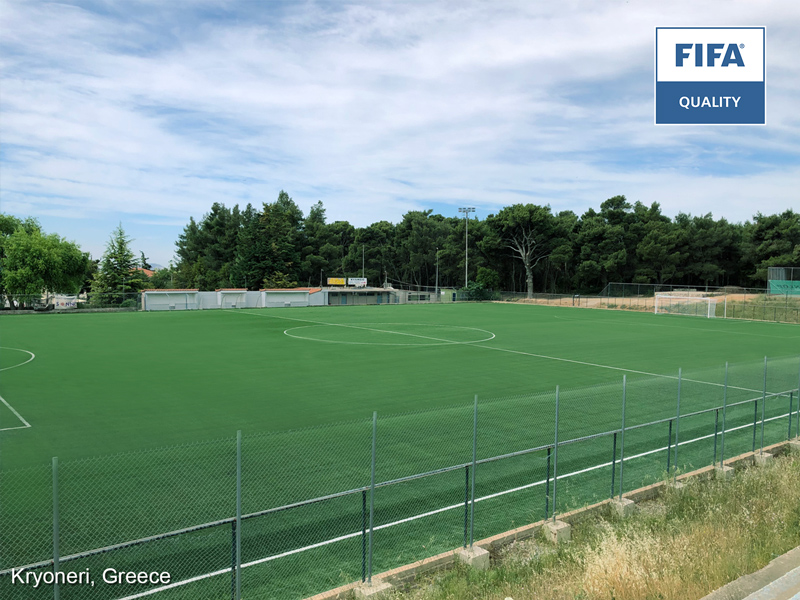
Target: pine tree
117 278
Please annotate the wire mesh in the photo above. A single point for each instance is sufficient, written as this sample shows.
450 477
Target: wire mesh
306 494
26 516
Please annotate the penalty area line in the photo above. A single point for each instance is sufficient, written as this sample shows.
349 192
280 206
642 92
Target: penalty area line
16 414
25 424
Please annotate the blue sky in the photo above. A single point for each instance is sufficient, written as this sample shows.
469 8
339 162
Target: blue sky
145 113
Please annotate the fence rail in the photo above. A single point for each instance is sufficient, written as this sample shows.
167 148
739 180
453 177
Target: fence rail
418 476
751 306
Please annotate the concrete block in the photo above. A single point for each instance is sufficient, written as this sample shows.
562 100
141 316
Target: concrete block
724 472
762 458
476 557
623 507
377 590
794 446
557 532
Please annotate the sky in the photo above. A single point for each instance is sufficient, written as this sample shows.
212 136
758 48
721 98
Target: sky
144 113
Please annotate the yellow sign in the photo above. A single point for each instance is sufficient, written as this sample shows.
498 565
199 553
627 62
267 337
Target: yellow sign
336 281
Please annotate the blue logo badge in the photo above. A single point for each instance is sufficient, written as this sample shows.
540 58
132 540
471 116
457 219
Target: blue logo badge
710 76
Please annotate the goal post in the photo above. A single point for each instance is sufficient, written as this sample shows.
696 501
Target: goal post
697 306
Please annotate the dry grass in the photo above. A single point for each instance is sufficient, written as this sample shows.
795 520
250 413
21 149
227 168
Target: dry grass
681 546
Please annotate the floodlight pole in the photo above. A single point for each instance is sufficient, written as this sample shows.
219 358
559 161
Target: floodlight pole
362 260
466 212
437 273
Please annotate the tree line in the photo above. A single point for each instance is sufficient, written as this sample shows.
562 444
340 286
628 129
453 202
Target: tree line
523 248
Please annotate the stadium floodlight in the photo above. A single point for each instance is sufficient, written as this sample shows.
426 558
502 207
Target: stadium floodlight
437 273
697 306
466 212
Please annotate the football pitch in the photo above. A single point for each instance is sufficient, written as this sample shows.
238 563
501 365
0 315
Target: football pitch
106 383
141 390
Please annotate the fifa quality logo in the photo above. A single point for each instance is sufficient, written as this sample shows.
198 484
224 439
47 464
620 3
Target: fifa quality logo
710 76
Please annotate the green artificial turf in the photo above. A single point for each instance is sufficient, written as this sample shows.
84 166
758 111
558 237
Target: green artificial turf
108 383
142 390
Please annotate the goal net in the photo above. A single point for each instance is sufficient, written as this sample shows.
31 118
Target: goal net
686 305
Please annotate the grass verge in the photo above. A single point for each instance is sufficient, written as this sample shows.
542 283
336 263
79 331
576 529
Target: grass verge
680 546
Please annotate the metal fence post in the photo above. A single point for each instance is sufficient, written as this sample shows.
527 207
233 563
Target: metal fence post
56 535
238 515
233 559
613 463
678 421
372 495
622 436
716 433
547 488
763 405
755 422
798 404
669 447
474 460
791 394
466 504
363 536
555 460
724 413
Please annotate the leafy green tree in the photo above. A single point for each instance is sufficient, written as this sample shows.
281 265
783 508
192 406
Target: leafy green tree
117 276
606 244
278 280
312 263
92 268
337 239
772 241
660 254
34 263
247 270
528 231
165 279
279 234
488 278
526 246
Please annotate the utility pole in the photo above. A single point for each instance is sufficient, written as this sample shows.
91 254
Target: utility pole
437 273
466 212
362 260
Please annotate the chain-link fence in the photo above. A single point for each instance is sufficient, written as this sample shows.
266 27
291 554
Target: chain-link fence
750 305
130 300
784 281
290 514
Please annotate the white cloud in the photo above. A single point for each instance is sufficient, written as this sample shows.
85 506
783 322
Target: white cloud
152 115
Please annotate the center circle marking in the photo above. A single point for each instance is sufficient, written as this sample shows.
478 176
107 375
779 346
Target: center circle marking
425 340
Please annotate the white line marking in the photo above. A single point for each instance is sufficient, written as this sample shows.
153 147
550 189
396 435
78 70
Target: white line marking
460 505
20 364
520 352
3 400
588 364
444 342
19 416
441 342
